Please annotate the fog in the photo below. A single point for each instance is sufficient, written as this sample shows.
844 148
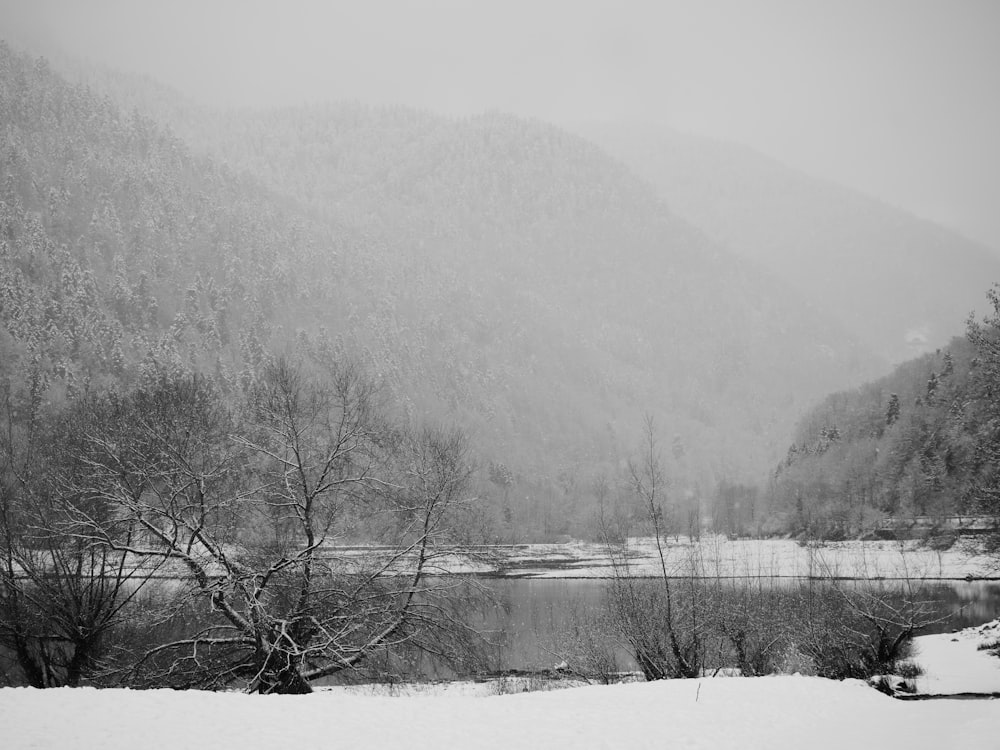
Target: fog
896 98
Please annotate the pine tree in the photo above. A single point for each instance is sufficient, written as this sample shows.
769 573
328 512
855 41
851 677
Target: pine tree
892 412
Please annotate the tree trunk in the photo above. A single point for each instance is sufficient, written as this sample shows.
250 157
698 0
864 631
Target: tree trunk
282 675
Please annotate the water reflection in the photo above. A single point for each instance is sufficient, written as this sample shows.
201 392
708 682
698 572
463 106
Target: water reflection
534 614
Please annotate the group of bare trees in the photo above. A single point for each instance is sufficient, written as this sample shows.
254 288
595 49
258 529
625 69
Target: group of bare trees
688 620
283 537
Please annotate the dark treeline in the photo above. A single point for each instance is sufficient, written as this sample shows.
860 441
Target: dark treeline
923 441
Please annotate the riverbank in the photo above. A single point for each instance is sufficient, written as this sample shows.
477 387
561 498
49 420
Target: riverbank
959 663
790 712
962 663
778 712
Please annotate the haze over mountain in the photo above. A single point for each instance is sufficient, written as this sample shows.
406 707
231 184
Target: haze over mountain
493 271
897 98
902 285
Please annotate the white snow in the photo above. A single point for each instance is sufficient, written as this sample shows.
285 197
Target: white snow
954 663
769 712
719 556
724 712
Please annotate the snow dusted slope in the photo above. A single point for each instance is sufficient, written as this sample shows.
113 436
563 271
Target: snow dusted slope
769 712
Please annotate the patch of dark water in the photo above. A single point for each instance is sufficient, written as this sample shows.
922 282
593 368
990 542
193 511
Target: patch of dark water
534 614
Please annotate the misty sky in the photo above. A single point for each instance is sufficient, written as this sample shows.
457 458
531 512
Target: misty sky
899 98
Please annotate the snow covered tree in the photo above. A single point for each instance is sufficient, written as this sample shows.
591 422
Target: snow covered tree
892 411
63 597
253 508
985 406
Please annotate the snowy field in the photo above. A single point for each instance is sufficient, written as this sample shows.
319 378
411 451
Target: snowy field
766 712
719 556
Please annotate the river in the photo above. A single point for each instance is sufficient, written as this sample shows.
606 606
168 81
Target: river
534 614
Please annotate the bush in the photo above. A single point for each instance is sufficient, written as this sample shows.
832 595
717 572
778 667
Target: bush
992 646
852 633
943 541
749 623
761 627
664 626
991 543
588 649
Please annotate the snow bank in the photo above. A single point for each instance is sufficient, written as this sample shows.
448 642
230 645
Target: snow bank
954 663
719 556
768 712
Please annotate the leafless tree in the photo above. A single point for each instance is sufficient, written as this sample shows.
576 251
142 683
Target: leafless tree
62 596
310 526
663 630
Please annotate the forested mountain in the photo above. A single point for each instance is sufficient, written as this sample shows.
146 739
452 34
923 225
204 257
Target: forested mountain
923 441
902 285
494 272
123 253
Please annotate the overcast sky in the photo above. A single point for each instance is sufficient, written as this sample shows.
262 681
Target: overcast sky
899 98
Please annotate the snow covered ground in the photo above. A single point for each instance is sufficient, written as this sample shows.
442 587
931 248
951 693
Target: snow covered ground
955 663
719 556
767 712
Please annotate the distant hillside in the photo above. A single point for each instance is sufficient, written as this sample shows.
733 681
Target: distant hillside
122 253
495 272
524 207
902 285
923 441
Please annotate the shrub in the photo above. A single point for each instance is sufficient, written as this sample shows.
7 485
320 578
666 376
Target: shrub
588 648
909 670
667 628
992 646
749 620
761 628
853 633
943 541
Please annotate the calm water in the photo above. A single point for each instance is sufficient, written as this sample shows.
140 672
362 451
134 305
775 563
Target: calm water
534 613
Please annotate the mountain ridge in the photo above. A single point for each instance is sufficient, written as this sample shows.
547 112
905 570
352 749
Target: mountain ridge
903 284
